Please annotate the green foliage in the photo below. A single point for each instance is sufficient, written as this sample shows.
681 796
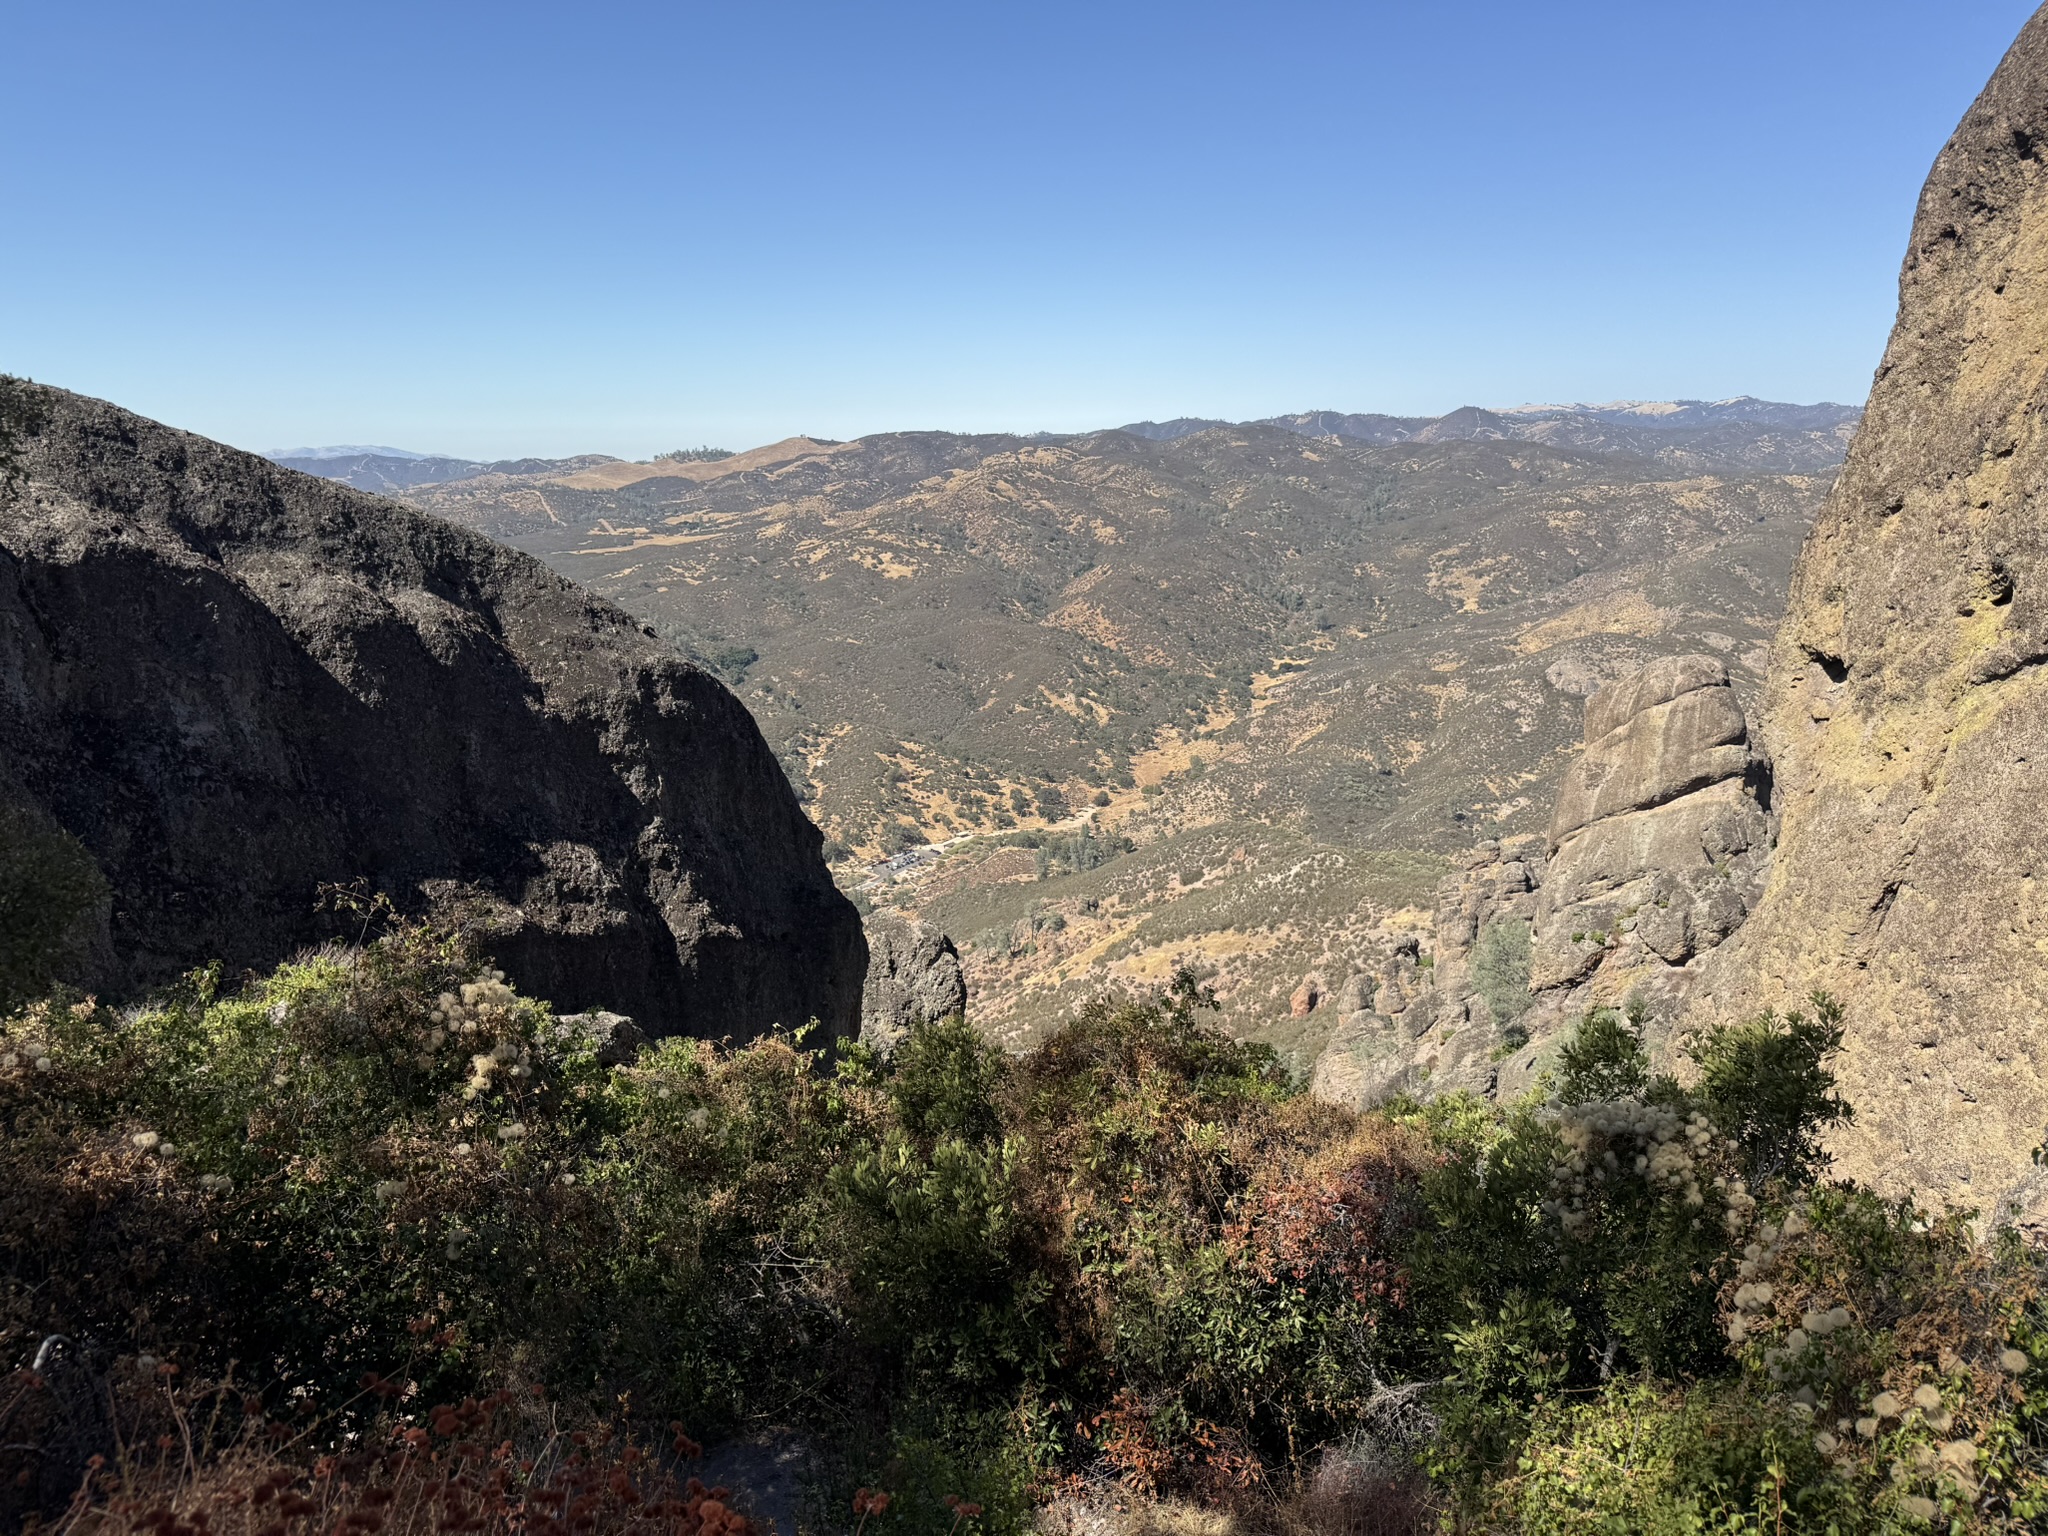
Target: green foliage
936 1457
729 662
1234 1243
384 1160
944 1082
1135 1250
1604 1058
1500 970
1765 1082
1075 853
1646 1460
1631 1340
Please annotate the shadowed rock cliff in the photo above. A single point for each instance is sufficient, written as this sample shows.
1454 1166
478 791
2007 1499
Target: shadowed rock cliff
233 683
1906 711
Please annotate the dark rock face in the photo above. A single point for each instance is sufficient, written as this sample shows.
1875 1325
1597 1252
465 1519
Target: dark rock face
1906 710
234 683
913 973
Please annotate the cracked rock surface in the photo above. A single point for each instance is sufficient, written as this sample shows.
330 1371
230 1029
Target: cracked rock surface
1657 849
1906 713
1659 836
234 684
913 973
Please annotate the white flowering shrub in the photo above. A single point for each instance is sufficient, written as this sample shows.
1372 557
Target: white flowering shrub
1903 1350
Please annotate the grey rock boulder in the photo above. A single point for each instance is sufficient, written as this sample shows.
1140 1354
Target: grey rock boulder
616 1039
235 684
913 974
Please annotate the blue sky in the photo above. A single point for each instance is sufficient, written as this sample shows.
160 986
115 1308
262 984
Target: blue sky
505 228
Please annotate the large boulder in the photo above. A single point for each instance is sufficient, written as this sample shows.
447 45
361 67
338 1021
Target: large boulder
1660 836
235 685
1906 710
913 974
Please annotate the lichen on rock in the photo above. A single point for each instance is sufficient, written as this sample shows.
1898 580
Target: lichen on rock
1906 713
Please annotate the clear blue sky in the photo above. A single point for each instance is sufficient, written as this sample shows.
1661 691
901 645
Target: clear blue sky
505 228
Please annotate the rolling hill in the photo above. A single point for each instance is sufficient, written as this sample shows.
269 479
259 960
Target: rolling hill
1250 685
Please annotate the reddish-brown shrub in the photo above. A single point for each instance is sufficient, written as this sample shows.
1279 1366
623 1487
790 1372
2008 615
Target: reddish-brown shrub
498 1465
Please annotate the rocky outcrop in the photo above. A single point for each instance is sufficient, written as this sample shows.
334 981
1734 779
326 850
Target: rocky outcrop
235 685
1656 851
913 973
1906 708
1441 1011
612 1037
1306 998
1660 835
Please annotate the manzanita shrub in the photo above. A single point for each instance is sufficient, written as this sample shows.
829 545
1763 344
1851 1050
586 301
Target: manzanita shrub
1137 1255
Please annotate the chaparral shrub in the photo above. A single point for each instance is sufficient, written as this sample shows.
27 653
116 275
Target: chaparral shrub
1134 1263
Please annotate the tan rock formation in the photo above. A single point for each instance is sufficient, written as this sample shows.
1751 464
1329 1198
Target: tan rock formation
1907 712
1659 837
1656 853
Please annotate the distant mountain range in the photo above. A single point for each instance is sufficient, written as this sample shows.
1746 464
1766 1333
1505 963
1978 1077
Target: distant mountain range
389 470
1741 433
1746 432
1283 671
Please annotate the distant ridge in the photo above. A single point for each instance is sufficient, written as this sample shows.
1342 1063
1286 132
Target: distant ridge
386 470
1741 432
343 451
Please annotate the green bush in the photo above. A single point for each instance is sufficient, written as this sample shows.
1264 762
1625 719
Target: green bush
384 1161
1669 1324
1136 1250
1500 972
